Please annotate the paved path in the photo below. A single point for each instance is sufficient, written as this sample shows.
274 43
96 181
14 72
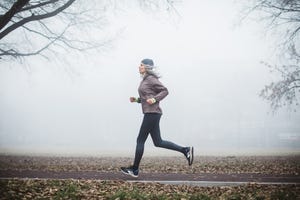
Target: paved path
170 178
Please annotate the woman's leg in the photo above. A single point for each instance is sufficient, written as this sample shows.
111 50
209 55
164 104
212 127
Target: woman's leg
146 127
158 142
155 134
150 125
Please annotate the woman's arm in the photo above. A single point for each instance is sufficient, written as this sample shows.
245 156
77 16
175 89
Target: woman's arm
160 89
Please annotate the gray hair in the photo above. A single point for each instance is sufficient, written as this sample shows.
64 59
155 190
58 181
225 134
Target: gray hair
152 70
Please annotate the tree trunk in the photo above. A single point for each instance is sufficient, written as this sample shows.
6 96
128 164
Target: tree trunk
4 19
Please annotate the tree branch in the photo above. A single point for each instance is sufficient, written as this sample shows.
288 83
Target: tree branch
38 5
293 34
34 18
11 12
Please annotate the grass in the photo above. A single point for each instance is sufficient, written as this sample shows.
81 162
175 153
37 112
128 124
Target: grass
280 194
69 191
118 190
137 194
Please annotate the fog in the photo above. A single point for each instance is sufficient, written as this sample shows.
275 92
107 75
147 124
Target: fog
210 65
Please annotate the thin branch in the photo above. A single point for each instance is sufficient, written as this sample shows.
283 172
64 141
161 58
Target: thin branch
14 53
284 9
294 33
46 27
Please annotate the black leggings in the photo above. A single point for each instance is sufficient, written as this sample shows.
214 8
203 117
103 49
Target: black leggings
150 125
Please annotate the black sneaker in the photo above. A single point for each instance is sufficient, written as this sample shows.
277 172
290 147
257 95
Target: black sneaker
130 171
190 155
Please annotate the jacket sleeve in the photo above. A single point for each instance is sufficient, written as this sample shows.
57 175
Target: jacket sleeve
160 90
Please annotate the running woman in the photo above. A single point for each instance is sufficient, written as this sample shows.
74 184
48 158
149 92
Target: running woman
151 92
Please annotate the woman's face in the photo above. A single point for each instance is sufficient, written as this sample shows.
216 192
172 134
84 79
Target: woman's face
142 69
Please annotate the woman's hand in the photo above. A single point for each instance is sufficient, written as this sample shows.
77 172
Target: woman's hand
151 101
132 99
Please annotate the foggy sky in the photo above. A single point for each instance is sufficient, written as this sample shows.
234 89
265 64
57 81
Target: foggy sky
210 65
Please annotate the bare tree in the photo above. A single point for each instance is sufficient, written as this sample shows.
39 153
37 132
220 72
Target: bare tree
42 27
284 91
283 17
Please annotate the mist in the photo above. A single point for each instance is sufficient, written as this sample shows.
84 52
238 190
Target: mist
210 65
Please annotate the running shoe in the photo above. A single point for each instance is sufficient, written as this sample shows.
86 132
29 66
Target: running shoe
190 155
130 171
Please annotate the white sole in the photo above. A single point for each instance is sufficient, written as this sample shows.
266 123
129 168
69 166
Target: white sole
192 156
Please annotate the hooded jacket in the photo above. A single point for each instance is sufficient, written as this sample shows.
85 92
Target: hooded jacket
151 87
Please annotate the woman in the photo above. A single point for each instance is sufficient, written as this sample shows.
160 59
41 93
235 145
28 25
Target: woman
151 92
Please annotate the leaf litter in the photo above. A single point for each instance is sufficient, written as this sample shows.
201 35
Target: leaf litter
116 190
